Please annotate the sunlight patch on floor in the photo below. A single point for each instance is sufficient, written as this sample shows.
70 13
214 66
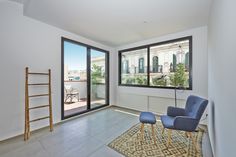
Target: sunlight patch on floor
137 115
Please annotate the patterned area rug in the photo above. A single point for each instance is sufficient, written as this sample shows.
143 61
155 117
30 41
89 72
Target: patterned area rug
130 144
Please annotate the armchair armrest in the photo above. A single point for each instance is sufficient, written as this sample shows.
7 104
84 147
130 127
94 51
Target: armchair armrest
185 123
175 111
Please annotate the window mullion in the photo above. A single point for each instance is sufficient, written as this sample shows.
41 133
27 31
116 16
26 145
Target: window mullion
148 66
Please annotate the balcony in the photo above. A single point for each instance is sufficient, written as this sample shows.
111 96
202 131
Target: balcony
75 96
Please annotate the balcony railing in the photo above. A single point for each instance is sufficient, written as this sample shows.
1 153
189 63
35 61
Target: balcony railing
81 87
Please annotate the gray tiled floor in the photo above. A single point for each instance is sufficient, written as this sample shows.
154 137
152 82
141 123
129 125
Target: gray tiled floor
85 136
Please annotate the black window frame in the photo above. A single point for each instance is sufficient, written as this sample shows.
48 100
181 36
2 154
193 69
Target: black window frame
89 48
148 46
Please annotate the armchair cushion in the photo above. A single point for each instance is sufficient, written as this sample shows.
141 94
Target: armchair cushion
185 123
168 121
175 111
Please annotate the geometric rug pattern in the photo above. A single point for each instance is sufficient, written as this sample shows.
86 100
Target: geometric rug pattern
130 143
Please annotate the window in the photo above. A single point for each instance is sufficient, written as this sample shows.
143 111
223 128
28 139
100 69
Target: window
134 67
162 65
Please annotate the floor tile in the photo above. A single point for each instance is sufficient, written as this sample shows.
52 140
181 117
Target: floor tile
105 152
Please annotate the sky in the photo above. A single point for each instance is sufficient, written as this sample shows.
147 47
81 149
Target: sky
75 56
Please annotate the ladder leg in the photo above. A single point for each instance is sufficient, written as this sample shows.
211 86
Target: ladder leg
50 102
27 128
26 134
28 123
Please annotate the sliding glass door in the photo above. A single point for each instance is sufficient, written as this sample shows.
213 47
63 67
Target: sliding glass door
85 79
99 78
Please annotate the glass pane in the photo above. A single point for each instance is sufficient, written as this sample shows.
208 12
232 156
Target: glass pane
98 78
134 67
169 64
75 78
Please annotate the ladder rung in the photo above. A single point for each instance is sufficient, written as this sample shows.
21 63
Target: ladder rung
33 73
38 84
34 120
39 95
42 106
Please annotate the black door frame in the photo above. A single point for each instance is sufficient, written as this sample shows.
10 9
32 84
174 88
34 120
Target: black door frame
89 47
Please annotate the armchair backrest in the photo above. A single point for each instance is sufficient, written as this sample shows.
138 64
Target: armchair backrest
195 107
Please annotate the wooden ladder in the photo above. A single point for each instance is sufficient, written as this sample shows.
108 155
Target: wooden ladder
27 104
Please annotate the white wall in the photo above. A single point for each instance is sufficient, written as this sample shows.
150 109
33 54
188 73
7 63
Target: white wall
222 84
27 42
157 100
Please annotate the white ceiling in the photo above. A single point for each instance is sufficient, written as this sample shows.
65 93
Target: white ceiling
119 22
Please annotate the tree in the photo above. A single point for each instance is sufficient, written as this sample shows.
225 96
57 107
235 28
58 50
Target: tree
179 78
96 74
159 81
141 80
96 77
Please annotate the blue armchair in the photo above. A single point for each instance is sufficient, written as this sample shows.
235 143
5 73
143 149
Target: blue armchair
186 119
